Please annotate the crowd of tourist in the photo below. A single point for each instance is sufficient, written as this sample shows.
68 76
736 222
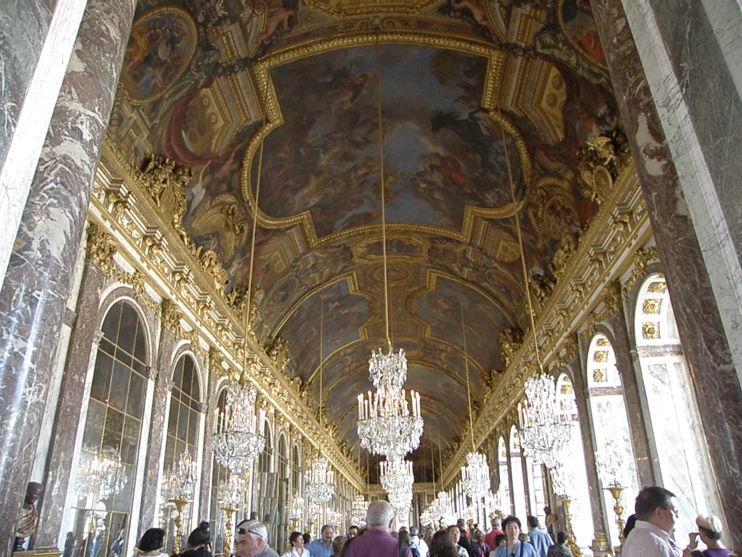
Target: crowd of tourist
648 533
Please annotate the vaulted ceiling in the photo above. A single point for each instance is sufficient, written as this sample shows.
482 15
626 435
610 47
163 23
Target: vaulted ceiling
274 104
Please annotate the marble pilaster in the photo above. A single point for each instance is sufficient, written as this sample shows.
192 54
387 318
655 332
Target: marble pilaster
582 398
37 281
705 344
83 345
207 461
163 384
628 367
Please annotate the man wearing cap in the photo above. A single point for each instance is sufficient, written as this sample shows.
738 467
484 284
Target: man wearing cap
376 541
252 540
655 520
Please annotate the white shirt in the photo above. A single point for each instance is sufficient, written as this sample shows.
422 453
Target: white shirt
294 553
421 545
648 540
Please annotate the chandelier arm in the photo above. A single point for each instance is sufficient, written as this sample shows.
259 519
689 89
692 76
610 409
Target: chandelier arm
522 250
252 248
466 367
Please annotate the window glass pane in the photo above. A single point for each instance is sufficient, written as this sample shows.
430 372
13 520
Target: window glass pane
130 440
91 438
135 402
101 377
113 430
127 328
111 322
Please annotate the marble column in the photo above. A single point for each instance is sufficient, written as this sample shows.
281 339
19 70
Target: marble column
207 460
36 40
163 385
705 344
37 282
82 351
628 367
582 397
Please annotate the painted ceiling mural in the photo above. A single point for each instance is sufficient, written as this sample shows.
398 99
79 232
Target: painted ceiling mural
484 107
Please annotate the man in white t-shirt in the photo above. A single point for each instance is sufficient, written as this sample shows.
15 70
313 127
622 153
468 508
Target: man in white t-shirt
655 521
418 542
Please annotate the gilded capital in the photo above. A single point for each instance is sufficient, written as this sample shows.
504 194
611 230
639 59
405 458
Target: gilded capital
101 248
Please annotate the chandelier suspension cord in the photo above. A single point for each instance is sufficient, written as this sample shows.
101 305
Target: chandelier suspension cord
321 353
252 252
522 251
380 119
466 366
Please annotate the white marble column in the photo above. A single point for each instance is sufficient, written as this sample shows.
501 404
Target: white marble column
37 281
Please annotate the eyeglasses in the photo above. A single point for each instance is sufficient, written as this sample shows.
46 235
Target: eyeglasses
243 531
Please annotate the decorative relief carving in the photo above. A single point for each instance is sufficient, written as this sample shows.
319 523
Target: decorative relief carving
642 258
650 330
510 341
601 160
564 252
101 249
278 352
215 361
171 317
166 184
541 285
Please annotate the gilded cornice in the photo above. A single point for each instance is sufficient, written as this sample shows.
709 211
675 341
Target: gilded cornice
122 205
587 280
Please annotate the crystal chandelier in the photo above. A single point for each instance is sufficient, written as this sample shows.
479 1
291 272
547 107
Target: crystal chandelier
334 519
296 507
358 510
180 482
319 481
440 509
475 476
397 479
236 439
99 474
545 429
231 491
387 425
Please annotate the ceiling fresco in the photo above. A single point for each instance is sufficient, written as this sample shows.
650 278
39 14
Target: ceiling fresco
274 103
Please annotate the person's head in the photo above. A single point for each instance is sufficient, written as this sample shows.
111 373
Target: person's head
379 516
296 540
414 531
496 524
151 540
476 535
337 544
500 539
403 537
511 525
547 511
306 537
352 531
441 546
561 537
454 533
200 536
630 523
327 534
709 528
33 490
461 523
251 537
532 521
654 504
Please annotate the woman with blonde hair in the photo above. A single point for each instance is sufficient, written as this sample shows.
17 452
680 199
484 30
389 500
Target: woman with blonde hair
709 530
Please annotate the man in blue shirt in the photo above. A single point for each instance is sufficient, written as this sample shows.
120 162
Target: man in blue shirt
322 546
540 540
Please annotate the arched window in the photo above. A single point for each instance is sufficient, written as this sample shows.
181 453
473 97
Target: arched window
112 430
219 474
183 427
504 488
610 423
282 466
676 427
516 469
582 520
264 484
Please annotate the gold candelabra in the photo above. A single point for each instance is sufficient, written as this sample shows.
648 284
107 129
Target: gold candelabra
571 542
228 537
616 490
180 504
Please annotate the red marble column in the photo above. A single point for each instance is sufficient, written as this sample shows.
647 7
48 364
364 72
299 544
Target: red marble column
82 349
716 385
37 281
